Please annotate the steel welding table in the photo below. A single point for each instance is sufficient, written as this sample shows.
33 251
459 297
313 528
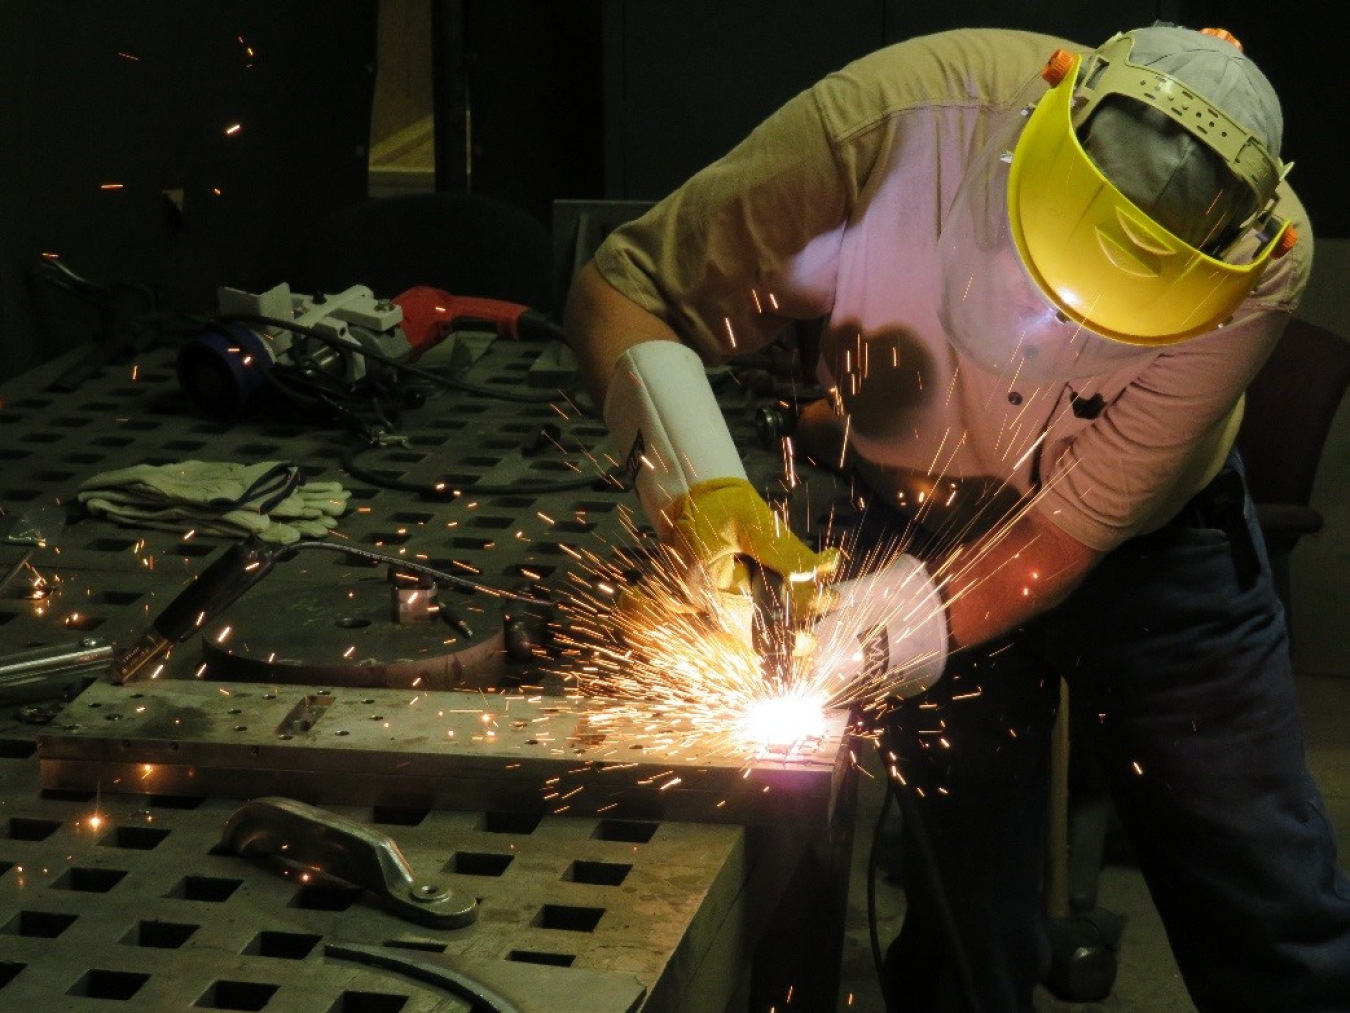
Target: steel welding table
114 885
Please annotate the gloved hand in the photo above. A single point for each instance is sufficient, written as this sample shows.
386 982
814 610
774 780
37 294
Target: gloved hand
662 414
887 634
718 523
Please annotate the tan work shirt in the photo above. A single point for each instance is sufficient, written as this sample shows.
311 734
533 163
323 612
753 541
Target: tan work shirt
832 208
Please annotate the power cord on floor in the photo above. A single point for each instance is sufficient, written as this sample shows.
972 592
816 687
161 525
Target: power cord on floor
872 862
923 852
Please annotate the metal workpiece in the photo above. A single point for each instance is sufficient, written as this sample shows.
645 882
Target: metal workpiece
324 745
37 673
334 846
342 633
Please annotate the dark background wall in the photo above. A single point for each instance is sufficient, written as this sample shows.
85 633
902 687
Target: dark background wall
106 107
536 100
685 79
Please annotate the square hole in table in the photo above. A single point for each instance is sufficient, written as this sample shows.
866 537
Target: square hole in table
89 880
632 831
28 828
287 945
174 801
159 935
98 983
478 863
38 924
539 957
597 873
568 917
399 816
325 897
135 838
510 823
119 597
236 995
211 889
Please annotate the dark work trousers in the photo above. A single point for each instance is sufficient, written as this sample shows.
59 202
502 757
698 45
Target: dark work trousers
1176 647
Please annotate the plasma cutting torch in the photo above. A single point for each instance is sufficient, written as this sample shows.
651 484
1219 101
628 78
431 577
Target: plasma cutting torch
217 588
771 632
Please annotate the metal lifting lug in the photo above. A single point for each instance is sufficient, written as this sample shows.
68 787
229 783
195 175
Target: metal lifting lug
344 849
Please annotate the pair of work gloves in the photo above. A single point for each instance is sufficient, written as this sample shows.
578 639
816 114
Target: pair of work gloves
887 627
269 499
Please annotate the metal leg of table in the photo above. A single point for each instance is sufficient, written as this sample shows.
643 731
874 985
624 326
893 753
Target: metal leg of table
797 959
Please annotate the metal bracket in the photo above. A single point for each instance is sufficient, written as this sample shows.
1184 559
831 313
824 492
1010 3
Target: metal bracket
348 850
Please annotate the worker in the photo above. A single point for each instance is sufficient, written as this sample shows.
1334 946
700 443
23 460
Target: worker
1045 276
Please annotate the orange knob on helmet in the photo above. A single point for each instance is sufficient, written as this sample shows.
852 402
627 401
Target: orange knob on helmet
1288 240
1059 64
1222 33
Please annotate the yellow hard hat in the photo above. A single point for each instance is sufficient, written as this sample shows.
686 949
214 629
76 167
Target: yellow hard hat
1101 260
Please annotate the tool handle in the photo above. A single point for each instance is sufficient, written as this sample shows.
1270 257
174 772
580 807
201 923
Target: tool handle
429 314
345 849
216 588
771 625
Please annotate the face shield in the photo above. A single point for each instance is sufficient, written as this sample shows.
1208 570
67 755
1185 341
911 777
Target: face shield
1051 273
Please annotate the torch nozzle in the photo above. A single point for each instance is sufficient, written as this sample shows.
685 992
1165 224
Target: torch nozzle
213 591
771 627
129 662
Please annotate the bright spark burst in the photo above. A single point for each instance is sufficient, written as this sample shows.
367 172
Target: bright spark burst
677 662
791 717
676 656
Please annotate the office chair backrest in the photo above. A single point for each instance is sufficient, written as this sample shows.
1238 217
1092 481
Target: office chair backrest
1290 408
466 244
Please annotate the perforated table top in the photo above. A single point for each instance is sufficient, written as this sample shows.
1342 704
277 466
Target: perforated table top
113 894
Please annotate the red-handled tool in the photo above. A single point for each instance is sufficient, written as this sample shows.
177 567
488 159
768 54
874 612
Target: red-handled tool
429 314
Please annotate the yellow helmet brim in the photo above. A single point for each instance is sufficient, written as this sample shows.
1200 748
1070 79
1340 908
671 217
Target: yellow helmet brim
1097 256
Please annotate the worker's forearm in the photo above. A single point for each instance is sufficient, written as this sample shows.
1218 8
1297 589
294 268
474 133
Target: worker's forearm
992 588
602 324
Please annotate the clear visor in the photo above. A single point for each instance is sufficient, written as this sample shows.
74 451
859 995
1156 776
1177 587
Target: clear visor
992 310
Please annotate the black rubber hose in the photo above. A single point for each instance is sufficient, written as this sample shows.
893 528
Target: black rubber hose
914 825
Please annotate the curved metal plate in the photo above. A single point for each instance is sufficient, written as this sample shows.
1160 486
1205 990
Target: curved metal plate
344 634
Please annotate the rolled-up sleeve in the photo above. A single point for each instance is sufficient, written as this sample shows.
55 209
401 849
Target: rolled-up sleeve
747 243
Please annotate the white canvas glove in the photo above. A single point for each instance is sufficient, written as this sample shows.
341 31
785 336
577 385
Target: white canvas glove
269 499
214 484
888 634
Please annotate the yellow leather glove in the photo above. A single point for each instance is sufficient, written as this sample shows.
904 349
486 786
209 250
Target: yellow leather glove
718 524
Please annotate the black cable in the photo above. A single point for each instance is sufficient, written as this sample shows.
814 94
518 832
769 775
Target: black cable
443 491
408 566
481 998
312 389
391 362
60 276
872 932
914 826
